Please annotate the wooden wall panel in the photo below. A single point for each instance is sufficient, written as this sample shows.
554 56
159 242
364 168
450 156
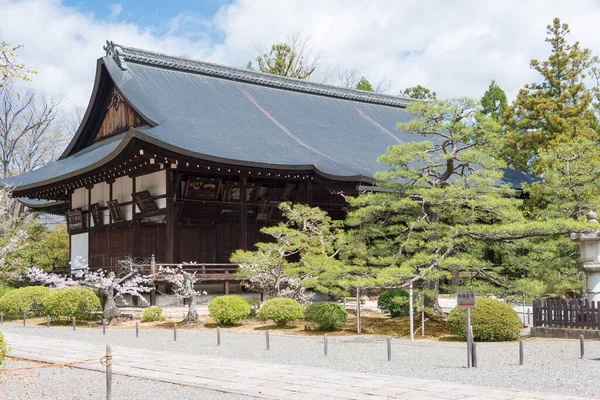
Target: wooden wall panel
99 252
121 243
229 240
119 116
151 241
198 245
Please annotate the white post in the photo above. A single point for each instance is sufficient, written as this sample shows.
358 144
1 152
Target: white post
423 315
469 338
410 310
358 310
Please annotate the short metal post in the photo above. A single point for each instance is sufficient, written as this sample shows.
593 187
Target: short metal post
1 318
389 349
521 357
469 339
74 323
174 332
528 317
411 312
137 329
474 352
581 344
218 335
103 326
267 337
108 372
325 344
24 319
47 321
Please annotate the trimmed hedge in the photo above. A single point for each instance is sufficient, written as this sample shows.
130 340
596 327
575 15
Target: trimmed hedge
69 302
229 309
3 350
152 314
492 320
25 300
395 302
281 310
326 316
5 289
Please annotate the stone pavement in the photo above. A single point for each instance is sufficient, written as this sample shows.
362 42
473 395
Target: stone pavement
260 380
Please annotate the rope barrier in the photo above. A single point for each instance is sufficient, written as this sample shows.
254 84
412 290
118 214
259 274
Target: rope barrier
89 361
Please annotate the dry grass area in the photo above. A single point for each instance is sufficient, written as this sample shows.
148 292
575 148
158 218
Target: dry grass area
372 323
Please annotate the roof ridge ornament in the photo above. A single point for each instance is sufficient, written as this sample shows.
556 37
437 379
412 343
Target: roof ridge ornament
132 54
115 51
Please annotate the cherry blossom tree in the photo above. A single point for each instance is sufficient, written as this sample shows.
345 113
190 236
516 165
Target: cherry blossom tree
128 279
183 282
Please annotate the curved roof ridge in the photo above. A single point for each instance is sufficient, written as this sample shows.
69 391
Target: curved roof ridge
121 54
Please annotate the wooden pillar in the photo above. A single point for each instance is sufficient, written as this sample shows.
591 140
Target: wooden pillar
135 227
226 287
89 219
110 197
170 242
243 213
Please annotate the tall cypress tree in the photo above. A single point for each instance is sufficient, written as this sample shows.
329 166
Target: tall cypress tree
494 101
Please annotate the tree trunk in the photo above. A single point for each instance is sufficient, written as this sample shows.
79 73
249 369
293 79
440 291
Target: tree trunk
192 315
110 307
433 285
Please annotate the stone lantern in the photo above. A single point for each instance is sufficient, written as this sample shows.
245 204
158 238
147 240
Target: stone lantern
589 251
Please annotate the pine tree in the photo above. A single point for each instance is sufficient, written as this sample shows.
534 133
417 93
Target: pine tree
557 109
363 84
494 101
419 93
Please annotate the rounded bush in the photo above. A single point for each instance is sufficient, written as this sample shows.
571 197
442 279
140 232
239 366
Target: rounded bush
326 316
25 300
153 313
492 320
229 309
5 289
395 302
70 302
3 350
281 311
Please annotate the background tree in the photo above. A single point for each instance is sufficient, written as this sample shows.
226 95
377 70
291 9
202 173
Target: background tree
10 68
364 84
559 108
420 93
350 78
494 102
295 57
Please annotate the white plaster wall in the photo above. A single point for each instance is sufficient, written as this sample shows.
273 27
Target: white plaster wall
100 193
79 198
155 183
122 189
79 247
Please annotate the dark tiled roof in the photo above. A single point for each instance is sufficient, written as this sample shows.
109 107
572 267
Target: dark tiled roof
247 118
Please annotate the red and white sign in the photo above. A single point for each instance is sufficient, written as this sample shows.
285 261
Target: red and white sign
465 298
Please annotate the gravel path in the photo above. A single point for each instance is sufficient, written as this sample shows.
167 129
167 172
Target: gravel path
72 383
550 366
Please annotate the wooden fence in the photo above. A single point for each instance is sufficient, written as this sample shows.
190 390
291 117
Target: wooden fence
563 313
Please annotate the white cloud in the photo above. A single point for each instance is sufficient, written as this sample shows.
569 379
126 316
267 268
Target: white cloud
455 48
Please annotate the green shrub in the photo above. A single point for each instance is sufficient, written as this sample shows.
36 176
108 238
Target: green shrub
281 310
5 289
492 320
25 300
229 309
69 302
153 313
3 350
395 302
326 316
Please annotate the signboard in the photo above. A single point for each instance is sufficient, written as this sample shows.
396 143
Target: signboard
97 216
465 298
202 188
144 201
115 211
75 219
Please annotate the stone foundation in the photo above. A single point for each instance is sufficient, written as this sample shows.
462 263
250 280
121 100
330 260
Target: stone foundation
564 333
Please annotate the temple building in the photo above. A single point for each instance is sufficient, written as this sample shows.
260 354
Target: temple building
187 160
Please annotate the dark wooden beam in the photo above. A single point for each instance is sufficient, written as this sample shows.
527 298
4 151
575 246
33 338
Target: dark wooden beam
243 213
170 234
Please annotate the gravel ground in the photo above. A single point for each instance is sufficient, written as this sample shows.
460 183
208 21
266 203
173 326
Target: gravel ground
72 383
550 366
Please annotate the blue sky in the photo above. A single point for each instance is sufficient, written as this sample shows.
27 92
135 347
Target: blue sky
148 12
